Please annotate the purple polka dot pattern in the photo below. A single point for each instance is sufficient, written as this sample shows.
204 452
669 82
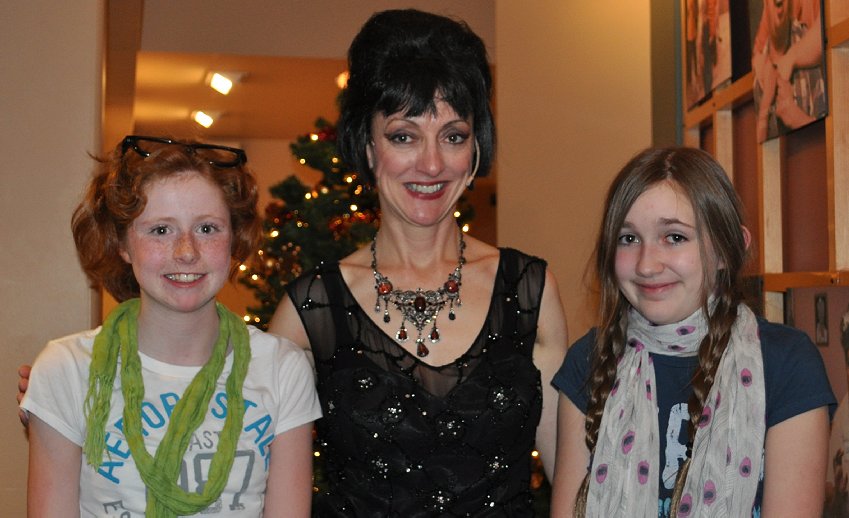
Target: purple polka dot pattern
746 377
628 442
601 473
704 420
746 467
643 472
709 494
685 506
685 330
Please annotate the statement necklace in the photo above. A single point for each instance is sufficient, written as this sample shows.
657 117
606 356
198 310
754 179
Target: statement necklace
420 307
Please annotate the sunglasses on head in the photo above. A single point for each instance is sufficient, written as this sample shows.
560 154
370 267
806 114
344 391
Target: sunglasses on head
217 156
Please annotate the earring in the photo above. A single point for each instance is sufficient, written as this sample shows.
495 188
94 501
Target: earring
470 183
370 154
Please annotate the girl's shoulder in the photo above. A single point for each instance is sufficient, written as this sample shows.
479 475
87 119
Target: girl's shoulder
583 344
74 347
784 341
265 345
794 373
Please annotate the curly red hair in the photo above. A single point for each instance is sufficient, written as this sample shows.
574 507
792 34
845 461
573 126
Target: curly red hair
116 195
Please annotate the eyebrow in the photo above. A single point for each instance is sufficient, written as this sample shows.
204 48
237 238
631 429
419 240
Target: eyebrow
663 221
675 221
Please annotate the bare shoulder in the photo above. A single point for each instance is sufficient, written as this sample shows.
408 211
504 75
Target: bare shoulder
356 271
481 255
286 323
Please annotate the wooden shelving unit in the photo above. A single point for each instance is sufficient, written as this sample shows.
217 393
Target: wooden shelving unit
795 187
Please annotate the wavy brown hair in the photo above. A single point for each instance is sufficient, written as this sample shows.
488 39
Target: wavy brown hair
719 224
117 194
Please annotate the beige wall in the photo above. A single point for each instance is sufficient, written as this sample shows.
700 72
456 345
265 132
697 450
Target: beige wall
50 106
573 99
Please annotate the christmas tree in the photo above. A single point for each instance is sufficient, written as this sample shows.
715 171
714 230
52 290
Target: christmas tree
306 225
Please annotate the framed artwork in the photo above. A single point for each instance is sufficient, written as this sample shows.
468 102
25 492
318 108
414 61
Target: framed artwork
788 65
823 313
707 52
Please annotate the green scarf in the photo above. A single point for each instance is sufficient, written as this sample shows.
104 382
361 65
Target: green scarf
159 473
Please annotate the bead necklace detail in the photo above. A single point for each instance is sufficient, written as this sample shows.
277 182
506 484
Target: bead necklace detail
419 307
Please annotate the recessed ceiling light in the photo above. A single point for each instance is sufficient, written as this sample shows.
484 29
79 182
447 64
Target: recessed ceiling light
205 119
222 82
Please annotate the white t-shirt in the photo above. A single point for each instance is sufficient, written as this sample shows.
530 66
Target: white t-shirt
279 392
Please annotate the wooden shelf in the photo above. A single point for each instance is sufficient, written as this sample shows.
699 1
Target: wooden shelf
838 35
724 98
784 281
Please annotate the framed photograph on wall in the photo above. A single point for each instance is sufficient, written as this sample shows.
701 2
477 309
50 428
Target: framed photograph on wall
788 65
707 48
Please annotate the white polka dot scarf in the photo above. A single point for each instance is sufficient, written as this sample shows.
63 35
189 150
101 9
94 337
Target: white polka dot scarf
728 448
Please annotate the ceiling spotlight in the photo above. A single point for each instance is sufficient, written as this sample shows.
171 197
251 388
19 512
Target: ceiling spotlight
205 119
222 82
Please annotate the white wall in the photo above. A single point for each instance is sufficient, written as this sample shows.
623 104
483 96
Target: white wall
573 104
50 105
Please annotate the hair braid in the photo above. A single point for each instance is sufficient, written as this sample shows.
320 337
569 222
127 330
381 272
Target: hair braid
711 350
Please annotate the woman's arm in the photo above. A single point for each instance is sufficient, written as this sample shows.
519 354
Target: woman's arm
794 466
549 350
289 487
572 457
53 485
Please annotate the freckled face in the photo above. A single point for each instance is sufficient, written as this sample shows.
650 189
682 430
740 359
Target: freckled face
421 164
658 261
179 246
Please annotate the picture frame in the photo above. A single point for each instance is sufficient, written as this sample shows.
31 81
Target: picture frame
788 94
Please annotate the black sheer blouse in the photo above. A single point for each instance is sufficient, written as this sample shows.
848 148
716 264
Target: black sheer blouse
403 438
